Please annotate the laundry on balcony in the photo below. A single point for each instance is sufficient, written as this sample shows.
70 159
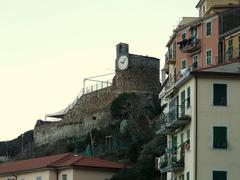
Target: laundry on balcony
189 45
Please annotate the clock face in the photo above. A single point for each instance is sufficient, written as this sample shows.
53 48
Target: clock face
123 62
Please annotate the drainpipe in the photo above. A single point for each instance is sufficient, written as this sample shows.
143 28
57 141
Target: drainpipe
196 124
15 176
57 173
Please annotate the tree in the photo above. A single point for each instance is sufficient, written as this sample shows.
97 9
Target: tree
139 110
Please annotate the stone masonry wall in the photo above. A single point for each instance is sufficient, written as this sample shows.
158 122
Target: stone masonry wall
93 109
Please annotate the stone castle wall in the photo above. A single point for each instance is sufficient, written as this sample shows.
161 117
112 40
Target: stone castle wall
93 109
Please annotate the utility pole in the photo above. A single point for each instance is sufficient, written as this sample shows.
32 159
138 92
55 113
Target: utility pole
22 143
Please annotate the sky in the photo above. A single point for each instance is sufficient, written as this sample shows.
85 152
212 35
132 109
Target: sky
47 48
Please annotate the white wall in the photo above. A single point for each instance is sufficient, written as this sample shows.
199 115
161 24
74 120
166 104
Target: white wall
210 159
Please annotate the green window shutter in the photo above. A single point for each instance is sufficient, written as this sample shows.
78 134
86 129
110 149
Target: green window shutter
209 28
220 137
183 102
174 141
219 175
183 36
188 97
219 94
209 56
188 175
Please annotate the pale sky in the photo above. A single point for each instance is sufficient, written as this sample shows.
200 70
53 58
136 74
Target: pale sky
47 48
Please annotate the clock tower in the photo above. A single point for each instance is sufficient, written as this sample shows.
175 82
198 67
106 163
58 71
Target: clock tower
136 73
122 61
122 49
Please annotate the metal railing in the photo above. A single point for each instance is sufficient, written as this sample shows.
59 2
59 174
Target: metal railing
189 45
174 114
171 159
170 56
90 89
86 90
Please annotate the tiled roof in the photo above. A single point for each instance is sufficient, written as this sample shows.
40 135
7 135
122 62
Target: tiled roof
56 161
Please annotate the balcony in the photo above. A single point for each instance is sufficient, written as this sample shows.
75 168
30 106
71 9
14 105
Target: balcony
173 119
232 54
190 45
170 58
170 162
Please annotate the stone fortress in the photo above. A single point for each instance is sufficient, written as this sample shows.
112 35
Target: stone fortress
91 109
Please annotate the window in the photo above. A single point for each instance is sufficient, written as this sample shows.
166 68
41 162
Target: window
188 97
219 175
39 178
188 176
230 49
64 177
220 137
183 102
183 64
209 56
183 36
174 141
181 138
195 62
194 33
219 94
188 134
209 28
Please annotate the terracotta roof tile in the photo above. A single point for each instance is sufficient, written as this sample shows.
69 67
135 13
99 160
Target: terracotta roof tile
61 160
30 164
99 163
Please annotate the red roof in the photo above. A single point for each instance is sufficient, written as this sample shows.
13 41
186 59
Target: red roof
61 160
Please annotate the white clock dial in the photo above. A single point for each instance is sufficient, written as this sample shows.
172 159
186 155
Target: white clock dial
123 62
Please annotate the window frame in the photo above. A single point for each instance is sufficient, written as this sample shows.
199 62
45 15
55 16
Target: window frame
183 33
39 178
222 145
208 50
195 60
188 175
64 176
226 95
222 172
188 97
183 60
206 28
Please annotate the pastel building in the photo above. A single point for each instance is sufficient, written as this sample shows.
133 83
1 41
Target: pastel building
201 80
59 167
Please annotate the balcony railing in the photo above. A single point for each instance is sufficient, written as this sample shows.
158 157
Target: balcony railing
174 119
232 54
189 45
169 162
170 58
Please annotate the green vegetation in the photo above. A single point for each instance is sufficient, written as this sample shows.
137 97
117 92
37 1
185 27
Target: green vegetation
129 139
